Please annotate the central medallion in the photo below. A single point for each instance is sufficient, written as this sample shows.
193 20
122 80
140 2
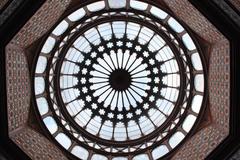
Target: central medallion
120 79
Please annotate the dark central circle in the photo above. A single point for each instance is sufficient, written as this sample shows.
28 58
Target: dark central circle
120 79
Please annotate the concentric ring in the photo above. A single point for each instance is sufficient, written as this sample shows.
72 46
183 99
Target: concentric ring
119 83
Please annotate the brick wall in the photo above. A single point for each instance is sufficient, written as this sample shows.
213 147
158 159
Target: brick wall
18 88
18 82
203 142
36 146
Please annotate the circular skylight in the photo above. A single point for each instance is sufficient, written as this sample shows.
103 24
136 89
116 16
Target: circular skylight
119 80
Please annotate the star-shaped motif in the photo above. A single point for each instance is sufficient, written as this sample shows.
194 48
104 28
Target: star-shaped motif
151 61
138 112
145 54
110 115
129 44
88 98
93 54
84 90
146 106
84 71
94 106
120 116
156 80
119 43
129 115
155 70
88 62
100 48
110 45
138 48
151 98
83 80
101 112
155 89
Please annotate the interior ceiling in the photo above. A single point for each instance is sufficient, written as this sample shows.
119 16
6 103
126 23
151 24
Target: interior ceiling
119 50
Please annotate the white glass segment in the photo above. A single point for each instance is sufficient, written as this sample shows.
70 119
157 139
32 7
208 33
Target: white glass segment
96 6
197 103
188 42
196 61
50 124
77 15
114 4
175 25
63 140
141 157
39 85
189 122
199 82
41 64
159 151
61 28
80 152
158 12
48 46
99 157
176 139
42 105
138 5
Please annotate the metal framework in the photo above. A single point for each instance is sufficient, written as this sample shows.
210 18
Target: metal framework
119 79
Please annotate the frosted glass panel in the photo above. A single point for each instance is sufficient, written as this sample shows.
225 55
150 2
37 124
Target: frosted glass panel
117 3
80 152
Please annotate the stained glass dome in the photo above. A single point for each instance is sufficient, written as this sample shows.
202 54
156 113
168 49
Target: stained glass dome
119 79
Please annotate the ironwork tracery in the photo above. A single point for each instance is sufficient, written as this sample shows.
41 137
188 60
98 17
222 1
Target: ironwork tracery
119 78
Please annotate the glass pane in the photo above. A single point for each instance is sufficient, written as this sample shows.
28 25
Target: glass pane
61 28
138 5
117 3
50 124
196 103
196 61
199 82
141 157
175 25
41 64
39 85
78 14
176 139
42 105
159 151
97 6
99 157
48 46
158 12
188 42
63 140
189 122
80 152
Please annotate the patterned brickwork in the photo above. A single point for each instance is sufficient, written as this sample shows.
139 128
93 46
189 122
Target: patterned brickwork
18 82
193 18
236 4
2 3
37 146
200 145
41 22
219 84
18 89
203 142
